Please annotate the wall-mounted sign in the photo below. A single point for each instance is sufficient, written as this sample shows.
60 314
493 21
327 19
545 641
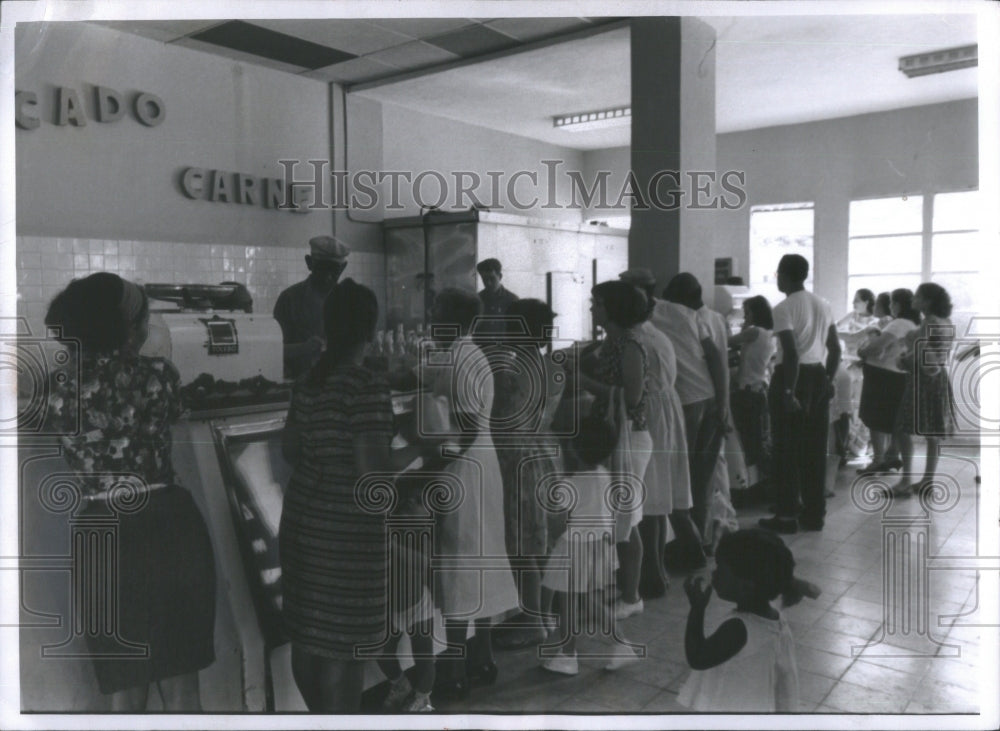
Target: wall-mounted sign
221 186
109 106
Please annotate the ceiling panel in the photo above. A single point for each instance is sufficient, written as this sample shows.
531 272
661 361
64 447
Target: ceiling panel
271 44
529 29
472 40
160 30
354 71
421 27
358 37
230 53
413 55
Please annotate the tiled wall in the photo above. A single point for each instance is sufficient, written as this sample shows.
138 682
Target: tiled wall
45 265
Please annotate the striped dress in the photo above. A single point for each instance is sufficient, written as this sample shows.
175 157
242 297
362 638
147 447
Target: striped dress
333 553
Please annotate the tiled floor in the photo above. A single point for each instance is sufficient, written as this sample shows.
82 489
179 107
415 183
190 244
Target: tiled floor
912 672
903 672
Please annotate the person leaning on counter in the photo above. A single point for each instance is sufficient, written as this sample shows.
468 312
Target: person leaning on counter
299 309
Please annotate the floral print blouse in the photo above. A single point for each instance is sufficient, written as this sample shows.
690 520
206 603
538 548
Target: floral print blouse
609 371
125 404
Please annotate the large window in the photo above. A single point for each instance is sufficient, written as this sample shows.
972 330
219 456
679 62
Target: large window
775 231
901 242
885 248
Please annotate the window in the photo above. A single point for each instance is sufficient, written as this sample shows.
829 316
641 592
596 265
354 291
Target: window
890 246
777 230
955 248
885 245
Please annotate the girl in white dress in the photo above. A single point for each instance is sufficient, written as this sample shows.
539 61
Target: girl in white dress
748 663
470 531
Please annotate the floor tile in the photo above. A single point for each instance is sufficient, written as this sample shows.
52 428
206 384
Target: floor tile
820 662
859 608
946 697
813 688
832 642
862 699
665 702
848 625
895 682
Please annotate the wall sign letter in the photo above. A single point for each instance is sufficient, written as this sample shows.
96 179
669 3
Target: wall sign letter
26 110
110 105
70 109
149 109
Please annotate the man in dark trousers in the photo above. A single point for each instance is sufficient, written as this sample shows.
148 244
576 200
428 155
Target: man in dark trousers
800 393
299 309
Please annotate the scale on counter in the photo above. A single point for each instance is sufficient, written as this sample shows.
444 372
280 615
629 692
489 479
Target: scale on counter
187 328
222 337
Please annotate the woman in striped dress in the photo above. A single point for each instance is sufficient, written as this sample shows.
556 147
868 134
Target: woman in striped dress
333 551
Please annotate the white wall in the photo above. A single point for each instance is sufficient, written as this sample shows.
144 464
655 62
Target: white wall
912 151
120 179
414 142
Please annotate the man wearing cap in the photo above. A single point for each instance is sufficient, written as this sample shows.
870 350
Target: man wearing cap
299 309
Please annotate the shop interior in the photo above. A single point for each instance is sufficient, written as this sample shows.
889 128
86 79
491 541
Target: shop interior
154 149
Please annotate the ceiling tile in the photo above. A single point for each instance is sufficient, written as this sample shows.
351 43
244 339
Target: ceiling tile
421 27
160 30
529 29
281 47
475 40
353 71
413 55
235 55
358 37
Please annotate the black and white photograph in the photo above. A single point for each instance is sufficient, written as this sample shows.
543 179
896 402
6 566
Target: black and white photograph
499 365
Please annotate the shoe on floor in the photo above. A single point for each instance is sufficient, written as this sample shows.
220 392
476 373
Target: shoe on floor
807 524
624 609
901 490
562 664
399 690
779 524
627 656
420 703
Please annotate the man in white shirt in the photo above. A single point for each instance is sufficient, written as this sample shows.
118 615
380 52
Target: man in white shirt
800 393
702 388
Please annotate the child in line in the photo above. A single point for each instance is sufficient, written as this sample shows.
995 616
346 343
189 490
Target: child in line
748 663
411 610
749 398
580 592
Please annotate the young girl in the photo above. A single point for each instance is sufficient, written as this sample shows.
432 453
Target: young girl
748 663
749 399
411 611
579 592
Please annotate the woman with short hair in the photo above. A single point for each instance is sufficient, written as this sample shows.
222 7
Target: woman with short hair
621 386
928 405
884 381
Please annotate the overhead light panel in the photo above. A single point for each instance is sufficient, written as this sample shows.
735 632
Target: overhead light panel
937 62
601 119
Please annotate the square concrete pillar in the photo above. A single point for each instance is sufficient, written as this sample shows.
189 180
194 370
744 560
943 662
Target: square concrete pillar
673 149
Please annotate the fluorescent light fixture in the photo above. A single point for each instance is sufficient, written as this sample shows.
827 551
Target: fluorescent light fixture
601 119
936 62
